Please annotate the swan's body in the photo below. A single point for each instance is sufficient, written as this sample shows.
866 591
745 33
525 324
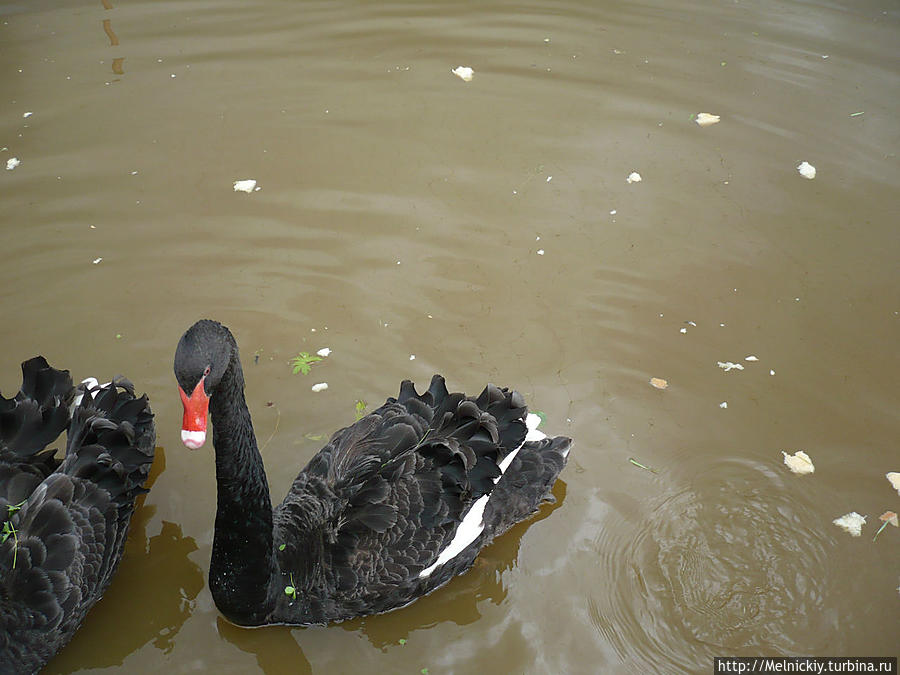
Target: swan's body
391 508
64 520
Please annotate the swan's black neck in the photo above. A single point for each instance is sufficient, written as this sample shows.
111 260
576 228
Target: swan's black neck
243 559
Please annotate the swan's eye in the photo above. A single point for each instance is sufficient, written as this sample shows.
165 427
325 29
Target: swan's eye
206 372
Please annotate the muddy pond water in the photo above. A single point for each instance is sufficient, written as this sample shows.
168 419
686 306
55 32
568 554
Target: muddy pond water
414 222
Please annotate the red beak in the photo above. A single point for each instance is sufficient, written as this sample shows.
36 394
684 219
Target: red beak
196 409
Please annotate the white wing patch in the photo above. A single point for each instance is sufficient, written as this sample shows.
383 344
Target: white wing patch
472 523
532 421
88 384
468 530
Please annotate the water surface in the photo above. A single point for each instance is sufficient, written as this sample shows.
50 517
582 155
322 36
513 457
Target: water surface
487 229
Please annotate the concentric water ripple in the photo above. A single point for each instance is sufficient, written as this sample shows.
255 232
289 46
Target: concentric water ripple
736 555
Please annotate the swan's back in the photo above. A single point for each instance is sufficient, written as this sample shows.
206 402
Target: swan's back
397 504
64 520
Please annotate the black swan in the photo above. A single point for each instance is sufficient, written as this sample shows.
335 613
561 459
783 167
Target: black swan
390 509
64 520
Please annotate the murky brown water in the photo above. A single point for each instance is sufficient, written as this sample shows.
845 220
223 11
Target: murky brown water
402 211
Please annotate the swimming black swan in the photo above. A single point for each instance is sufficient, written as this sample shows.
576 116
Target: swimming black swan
391 508
64 521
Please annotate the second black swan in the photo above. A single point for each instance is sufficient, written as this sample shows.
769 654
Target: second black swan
64 520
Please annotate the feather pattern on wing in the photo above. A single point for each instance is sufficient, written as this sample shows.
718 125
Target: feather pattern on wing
64 520
377 505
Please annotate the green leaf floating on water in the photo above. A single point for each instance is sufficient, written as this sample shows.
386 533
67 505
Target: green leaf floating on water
302 363
637 463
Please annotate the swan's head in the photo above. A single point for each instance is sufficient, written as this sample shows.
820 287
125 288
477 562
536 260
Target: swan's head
203 355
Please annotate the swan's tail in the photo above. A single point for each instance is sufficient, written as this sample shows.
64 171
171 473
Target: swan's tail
527 480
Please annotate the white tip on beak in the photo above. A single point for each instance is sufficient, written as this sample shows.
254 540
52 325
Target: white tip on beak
193 439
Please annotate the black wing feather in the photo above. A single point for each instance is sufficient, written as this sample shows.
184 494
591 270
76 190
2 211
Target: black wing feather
384 497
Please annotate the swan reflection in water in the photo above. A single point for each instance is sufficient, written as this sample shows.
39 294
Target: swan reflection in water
150 598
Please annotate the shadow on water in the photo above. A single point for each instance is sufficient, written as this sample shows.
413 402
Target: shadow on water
143 582
275 647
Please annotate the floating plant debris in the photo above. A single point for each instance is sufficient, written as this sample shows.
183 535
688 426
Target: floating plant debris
799 462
